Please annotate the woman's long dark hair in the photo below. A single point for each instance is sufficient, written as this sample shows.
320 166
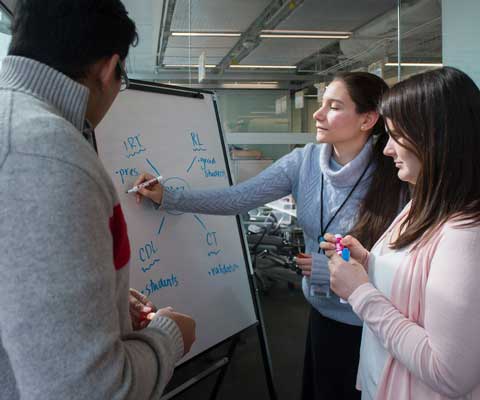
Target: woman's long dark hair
437 113
386 194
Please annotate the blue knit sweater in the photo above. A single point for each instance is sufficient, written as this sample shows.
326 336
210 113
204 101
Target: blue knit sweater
299 173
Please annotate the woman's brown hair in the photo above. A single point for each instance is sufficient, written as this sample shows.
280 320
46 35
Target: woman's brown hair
437 113
386 194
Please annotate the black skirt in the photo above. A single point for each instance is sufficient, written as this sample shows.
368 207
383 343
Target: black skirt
332 354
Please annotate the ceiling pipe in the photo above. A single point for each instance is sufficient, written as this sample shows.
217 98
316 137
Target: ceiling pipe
164 34
273 14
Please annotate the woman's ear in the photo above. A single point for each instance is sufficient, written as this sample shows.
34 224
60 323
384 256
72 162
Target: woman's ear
369 120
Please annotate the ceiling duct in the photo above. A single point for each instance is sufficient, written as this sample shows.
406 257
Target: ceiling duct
273 14
168 8
420 29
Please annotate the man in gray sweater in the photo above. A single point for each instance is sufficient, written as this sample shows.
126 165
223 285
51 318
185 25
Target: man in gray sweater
65 324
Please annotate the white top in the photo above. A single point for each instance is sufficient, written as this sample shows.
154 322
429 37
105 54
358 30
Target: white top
382 265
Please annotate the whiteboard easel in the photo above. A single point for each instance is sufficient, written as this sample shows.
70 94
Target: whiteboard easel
198 264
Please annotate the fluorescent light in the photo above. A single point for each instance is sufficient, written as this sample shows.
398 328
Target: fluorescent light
303 36
208 34
251 85
295 34
300 32
406 64
263 66
188 65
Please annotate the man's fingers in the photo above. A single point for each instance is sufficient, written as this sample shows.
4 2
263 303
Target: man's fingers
138 295
142 298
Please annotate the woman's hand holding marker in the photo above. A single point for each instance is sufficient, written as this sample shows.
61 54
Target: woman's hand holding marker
346 274
154 191
357 251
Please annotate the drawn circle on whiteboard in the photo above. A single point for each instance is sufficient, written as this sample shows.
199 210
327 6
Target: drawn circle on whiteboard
175 184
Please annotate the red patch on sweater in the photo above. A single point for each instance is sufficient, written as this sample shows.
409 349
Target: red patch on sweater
121 244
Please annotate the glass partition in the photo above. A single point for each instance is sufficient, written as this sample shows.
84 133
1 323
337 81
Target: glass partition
269 62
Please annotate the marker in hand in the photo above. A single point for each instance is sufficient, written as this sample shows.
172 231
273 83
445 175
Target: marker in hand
135 189
343 252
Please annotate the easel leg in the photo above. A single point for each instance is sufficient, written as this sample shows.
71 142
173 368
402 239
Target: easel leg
223 371
267 361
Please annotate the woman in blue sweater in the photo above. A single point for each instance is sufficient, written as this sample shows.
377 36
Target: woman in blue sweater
343 185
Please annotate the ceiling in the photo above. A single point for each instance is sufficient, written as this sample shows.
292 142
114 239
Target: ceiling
372 23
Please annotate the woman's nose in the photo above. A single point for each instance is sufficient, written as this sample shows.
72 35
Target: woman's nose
389 150
319 114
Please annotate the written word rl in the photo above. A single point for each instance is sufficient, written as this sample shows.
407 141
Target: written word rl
195 139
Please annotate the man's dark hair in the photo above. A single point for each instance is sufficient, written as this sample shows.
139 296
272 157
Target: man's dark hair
71 35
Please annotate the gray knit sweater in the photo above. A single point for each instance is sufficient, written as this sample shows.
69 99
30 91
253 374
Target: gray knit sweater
299 173
65 328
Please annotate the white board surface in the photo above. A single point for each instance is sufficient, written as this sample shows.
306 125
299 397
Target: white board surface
194 263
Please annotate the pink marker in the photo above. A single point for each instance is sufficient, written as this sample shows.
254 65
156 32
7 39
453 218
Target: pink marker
338 245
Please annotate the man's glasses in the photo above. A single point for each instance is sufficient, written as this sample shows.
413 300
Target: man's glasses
125 83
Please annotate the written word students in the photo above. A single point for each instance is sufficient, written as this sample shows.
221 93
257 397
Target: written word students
420 300
65 326
345 184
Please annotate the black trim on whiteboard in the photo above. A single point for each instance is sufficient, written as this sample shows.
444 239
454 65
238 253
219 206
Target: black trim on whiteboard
166 89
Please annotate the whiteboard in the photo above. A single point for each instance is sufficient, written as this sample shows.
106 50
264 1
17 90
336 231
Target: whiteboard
195 263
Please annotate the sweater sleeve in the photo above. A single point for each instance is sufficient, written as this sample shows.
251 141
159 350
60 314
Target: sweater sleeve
62 307
444 354
273 183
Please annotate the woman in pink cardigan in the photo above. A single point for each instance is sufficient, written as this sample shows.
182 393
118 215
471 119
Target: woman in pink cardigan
418 290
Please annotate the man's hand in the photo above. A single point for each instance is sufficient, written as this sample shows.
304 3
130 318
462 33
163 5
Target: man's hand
185 323
140 307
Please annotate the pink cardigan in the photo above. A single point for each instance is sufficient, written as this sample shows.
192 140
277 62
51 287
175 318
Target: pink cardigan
431 325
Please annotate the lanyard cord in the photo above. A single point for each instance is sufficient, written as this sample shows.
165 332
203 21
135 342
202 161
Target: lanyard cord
322 229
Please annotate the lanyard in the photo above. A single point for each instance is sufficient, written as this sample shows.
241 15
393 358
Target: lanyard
324 229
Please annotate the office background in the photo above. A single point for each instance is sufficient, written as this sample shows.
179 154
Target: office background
268 62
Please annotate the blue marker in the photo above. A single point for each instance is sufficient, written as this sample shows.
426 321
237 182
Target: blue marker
346 257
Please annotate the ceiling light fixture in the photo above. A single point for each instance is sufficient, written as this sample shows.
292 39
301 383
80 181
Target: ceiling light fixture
250 85
302 32
188 65
411 64
291 34
207 34
270 36
263 66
